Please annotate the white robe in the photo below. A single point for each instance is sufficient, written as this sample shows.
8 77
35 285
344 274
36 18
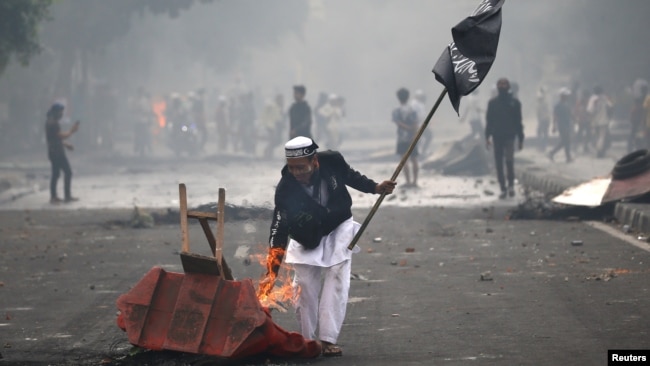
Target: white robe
333 248
324 270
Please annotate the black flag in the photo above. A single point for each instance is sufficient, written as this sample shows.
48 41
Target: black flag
464 63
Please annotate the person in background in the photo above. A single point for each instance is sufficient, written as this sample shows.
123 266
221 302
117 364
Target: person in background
56 146
543 118
320 121
222 120
584 132
271 120
637 121
407 123
504 126
331 115
599 108
417 103
473 113
247 123
646 126
563 124
299 114
142 115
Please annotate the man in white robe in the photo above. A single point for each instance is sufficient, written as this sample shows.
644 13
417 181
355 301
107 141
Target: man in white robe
313 225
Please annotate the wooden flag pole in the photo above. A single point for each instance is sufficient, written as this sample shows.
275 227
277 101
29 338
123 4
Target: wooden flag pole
398 169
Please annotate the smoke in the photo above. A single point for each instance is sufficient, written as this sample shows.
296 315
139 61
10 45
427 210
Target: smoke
363 50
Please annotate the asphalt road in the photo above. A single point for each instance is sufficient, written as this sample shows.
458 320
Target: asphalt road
451 282
444 286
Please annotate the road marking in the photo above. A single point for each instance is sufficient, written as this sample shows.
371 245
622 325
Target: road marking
618 234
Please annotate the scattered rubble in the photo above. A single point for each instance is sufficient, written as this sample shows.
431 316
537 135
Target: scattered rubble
486 276
143 219
358 277
605 276
540 208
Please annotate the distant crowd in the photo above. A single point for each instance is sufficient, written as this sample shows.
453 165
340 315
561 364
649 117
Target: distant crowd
232 122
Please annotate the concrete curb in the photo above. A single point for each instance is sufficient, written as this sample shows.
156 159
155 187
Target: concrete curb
539 180
636 215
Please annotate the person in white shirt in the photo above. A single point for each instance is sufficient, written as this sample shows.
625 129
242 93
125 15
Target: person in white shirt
599 108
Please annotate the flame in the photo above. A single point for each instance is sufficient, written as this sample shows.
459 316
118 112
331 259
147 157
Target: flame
274 291
159 108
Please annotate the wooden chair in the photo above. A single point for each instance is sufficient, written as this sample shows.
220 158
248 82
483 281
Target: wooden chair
196 263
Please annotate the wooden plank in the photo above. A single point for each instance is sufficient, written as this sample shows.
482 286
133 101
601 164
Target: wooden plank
208 234
182 193
197 263
221 205
202 215
227 273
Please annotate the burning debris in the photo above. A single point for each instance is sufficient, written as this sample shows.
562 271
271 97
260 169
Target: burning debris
274 291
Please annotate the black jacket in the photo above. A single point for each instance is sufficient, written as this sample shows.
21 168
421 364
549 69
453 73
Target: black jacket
503 118
299 216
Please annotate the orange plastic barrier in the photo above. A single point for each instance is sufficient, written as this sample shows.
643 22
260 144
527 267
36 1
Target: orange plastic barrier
204 314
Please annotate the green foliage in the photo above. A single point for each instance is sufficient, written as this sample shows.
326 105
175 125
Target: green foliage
19 20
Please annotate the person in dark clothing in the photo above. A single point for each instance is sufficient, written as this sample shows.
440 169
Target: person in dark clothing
313 224
56 146
503 126
637 121
563 124
299 114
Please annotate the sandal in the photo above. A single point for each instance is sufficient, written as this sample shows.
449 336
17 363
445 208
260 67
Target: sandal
331 350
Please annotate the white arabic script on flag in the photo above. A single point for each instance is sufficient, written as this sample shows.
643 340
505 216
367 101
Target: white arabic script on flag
485 5
462 64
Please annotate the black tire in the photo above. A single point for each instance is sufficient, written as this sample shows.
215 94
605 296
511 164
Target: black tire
632 164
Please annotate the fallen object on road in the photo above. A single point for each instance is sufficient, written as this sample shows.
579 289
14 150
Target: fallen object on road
629 178
204 310
204 314
466 157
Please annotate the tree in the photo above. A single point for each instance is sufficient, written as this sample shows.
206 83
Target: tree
19 20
